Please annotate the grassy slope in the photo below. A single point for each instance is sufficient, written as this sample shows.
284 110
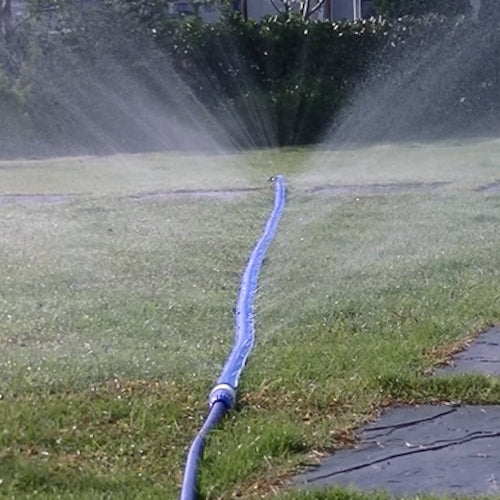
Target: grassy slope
116 315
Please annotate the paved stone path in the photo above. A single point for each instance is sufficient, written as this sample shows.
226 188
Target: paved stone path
440 449
482 356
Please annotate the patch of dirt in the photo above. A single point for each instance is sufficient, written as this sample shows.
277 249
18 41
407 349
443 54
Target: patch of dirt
229 193
29 199
54 198
198 193
492 187
345 189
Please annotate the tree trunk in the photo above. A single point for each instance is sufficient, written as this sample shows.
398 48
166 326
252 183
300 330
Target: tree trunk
328 10
305 9
309 8
244 10
5 18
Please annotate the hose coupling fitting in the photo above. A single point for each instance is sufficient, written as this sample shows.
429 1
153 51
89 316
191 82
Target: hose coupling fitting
222 393
275 178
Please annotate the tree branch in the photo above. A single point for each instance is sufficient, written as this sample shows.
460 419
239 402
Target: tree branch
277 8
317 6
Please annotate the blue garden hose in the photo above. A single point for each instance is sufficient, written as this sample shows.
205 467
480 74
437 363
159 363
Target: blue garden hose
223 395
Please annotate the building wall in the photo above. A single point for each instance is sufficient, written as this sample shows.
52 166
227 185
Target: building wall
260 8
333 9
348 10
336 10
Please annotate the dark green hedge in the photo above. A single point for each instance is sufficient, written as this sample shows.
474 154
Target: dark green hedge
399 8
103 80
294 74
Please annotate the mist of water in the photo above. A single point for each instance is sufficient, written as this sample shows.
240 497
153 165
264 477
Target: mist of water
428 92
100 85
426 117
441 84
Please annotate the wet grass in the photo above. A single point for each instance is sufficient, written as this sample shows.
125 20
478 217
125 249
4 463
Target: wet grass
116 316
127 174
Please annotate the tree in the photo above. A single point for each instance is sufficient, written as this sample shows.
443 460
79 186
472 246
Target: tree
489 11
8 41
5 18
306 8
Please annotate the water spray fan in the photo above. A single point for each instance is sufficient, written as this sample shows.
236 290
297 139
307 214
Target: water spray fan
223 395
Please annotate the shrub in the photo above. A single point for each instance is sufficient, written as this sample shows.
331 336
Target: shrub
415 8
295 73
106 81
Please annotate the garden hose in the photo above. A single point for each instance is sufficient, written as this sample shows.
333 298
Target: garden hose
223 395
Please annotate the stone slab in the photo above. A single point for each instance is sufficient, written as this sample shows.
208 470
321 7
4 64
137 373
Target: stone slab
481 356
420 449
438 449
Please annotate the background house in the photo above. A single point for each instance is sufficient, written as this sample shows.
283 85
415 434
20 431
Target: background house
336 10
331 9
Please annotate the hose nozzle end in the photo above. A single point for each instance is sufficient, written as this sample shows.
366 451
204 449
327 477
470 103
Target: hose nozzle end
276 178
222 393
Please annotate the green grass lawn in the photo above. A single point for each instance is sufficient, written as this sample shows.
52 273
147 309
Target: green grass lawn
116 312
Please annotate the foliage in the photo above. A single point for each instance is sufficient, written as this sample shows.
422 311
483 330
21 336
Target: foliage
106 77
295 73
13 119
278 81
85 75
489 11
398 8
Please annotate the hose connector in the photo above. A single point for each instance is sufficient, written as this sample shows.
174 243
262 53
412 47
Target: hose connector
275 178
222 393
